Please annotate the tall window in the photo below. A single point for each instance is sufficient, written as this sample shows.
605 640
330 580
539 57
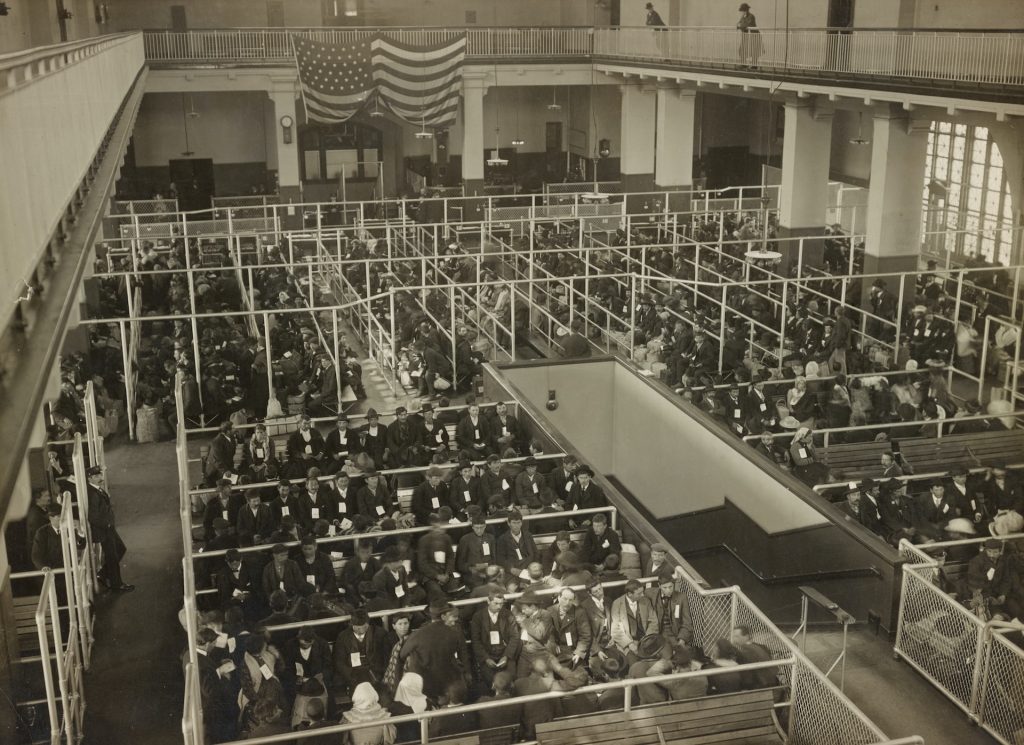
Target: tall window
966 194
330 150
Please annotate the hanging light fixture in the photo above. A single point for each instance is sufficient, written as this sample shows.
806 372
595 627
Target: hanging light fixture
554 105
376 113
351 8
859 139
423 134
496 159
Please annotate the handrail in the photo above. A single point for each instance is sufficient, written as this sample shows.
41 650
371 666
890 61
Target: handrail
987 57
40 61
889 425
382 472
460 603
819 488
377 535
27 56
430 714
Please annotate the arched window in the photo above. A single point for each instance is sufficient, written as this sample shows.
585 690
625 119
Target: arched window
968 210
328 150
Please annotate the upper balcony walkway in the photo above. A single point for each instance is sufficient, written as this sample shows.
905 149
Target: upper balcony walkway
972 65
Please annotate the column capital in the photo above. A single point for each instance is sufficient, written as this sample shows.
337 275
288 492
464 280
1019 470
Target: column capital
476 81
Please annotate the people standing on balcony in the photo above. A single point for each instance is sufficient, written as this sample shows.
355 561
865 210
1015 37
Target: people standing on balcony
750 38
653 17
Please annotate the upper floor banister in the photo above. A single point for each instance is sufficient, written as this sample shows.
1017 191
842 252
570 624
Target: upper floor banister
893 56
993 58
270 46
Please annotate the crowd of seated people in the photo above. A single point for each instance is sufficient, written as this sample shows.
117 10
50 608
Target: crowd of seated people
959 505
271 662
234 384
424 352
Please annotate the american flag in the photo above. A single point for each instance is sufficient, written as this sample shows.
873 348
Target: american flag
418 84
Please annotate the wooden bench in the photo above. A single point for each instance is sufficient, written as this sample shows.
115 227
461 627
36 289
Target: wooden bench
495 736
989 448
736 717
926 454
25 624
855 460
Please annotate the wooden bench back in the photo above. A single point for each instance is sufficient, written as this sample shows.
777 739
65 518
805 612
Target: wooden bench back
733 717
926 454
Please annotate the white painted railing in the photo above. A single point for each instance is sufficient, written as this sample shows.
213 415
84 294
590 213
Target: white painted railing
272 45
995 58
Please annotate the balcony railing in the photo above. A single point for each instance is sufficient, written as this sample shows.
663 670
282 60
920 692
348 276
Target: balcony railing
994 58
274 45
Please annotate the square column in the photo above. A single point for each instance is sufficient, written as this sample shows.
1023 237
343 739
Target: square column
673 156
803 193
288 182
473 90
636 159
893 236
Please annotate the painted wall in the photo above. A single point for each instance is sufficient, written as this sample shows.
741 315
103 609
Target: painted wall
951 14
229 128
133 14
597 112
850 163
15 31
667 459
145 14
723 13
584 414
675 465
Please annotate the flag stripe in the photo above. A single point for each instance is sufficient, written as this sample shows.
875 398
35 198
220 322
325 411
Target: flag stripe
448 89
435 79
418 113
446 116
328 116
411 52
414 66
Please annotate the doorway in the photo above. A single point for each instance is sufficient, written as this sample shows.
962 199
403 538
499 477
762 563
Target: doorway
179 23
840 14
840 25
193 178
275 13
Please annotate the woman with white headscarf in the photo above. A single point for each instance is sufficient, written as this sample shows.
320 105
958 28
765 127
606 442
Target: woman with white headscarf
802 402
366 709
409 699
805 459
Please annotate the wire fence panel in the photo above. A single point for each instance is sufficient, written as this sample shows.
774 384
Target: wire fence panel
712 617
820 714
763 632
1001 706
938 635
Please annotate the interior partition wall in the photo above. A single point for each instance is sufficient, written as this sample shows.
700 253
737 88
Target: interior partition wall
707 490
